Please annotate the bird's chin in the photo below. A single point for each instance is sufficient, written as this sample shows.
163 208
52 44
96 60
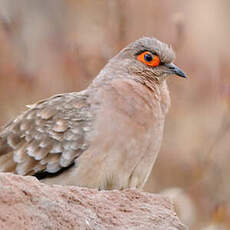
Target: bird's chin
164 76
167 74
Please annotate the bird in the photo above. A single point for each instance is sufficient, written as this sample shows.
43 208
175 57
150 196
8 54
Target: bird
107 136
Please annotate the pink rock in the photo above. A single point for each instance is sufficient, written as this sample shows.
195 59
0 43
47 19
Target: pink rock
25 203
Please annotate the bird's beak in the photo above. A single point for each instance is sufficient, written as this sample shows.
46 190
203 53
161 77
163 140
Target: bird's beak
173 69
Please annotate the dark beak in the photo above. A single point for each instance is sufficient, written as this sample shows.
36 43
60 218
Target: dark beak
175 70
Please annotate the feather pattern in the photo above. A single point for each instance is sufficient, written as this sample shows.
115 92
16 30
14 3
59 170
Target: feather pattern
47 137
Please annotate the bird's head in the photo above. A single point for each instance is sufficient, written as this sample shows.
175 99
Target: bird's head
148 58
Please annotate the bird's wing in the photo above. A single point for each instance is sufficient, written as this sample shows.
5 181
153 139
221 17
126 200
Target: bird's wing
48 137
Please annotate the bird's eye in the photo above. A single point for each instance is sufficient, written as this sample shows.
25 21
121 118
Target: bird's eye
149 59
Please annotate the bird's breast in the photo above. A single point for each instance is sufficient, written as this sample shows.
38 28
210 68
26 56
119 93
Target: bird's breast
127 131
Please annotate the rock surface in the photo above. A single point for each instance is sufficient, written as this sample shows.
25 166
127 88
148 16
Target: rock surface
25 203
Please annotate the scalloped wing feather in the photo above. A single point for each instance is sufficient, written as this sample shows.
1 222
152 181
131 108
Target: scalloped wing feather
47 137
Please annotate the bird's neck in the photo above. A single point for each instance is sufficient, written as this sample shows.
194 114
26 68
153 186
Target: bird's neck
159 89
155 87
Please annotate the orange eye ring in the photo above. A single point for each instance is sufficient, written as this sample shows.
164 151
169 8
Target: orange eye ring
149 59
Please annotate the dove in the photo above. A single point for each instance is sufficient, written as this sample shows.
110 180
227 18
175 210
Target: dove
107 136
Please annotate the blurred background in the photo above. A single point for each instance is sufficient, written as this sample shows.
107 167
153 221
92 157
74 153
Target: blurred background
55 46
